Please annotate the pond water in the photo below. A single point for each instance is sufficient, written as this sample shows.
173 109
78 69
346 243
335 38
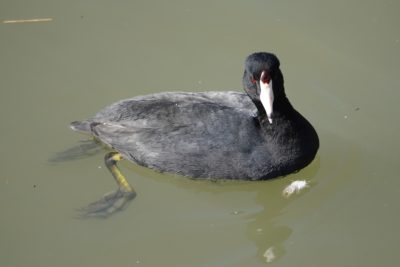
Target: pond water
340 60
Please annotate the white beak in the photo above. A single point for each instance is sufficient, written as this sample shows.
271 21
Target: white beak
267 98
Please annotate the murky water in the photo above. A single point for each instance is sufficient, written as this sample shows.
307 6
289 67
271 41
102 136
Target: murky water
340 60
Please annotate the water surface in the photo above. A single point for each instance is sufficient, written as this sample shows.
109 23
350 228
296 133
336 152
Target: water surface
340 61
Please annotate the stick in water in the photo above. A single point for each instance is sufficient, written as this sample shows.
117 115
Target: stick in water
27 20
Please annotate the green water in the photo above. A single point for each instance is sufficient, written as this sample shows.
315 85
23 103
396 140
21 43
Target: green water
340 60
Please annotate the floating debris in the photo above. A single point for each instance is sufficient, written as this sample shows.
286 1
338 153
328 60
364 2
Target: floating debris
269 254
236 212
27 20
294 187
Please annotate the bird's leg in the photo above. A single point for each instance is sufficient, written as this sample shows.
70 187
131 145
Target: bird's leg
113 201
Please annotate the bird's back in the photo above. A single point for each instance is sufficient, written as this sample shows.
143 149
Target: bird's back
201 135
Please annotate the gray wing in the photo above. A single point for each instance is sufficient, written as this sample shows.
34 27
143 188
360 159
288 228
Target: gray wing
158 108
194 134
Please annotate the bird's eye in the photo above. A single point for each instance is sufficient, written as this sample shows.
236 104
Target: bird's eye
252 80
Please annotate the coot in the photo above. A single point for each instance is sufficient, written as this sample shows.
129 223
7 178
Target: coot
220 135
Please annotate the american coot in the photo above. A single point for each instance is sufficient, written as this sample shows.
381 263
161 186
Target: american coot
218 135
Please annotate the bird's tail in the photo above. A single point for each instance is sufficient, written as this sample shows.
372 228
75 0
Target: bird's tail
81 126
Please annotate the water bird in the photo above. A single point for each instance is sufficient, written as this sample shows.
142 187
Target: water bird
253 135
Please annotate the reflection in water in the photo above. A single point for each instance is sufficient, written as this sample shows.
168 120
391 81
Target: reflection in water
269 254
264 227
84 149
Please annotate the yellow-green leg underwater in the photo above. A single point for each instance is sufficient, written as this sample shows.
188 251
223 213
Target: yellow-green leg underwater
113 201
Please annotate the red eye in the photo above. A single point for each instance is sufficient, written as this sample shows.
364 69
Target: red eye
252 80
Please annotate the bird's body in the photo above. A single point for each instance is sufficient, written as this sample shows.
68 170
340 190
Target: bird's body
200 135
218 135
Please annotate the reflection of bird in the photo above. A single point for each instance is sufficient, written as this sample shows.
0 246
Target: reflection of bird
226 135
